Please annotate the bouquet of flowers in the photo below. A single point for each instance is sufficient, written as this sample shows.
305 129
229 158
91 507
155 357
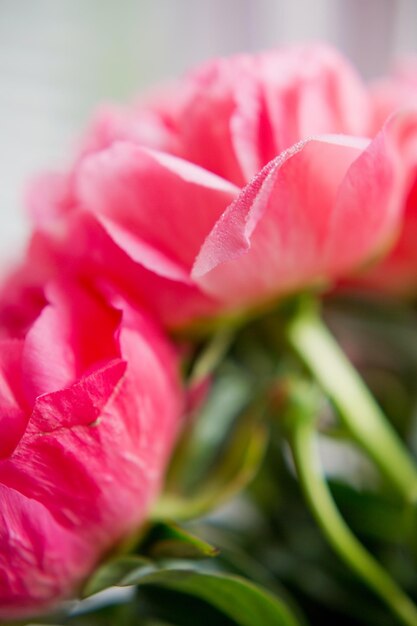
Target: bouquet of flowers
208 358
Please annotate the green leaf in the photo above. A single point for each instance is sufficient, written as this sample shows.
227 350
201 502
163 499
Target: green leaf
164 540
116 572
247 604
167 540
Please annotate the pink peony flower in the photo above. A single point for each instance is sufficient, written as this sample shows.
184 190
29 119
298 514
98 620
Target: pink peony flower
90 405
242 182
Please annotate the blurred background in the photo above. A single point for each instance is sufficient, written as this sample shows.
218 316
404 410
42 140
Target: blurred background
59 58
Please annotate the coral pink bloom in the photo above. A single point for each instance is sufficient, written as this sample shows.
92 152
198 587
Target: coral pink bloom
252 184
90 406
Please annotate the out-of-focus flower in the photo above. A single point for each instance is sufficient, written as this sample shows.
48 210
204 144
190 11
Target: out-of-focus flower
242 182
392 92
89 408
397 272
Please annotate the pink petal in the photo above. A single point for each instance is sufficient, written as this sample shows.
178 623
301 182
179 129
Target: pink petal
219 125
87 398
320 209
393 92
164 201
270 239
143 124
61 345
310 90
397 272
33 572
49 197
370 203
142 274
233 115
13 414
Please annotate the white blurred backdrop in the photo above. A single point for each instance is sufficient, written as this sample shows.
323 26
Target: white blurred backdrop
59 58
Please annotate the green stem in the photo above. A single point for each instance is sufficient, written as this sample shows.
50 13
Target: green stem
301 437
357 408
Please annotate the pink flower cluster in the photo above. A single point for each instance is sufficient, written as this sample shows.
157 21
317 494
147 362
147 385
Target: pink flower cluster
251 178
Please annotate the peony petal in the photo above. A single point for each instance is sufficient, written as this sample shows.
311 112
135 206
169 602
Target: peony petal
397 272
32 571
233 115
49 197
271 238
142 274
311 90
87 399
60 346
322 208
13 413
393 92
143 124
152 195
370 203
218 123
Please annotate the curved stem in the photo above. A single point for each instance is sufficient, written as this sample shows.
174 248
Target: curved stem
301 437
357 408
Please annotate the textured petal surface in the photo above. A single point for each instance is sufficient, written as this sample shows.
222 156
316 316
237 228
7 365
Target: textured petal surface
33 570
79 473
